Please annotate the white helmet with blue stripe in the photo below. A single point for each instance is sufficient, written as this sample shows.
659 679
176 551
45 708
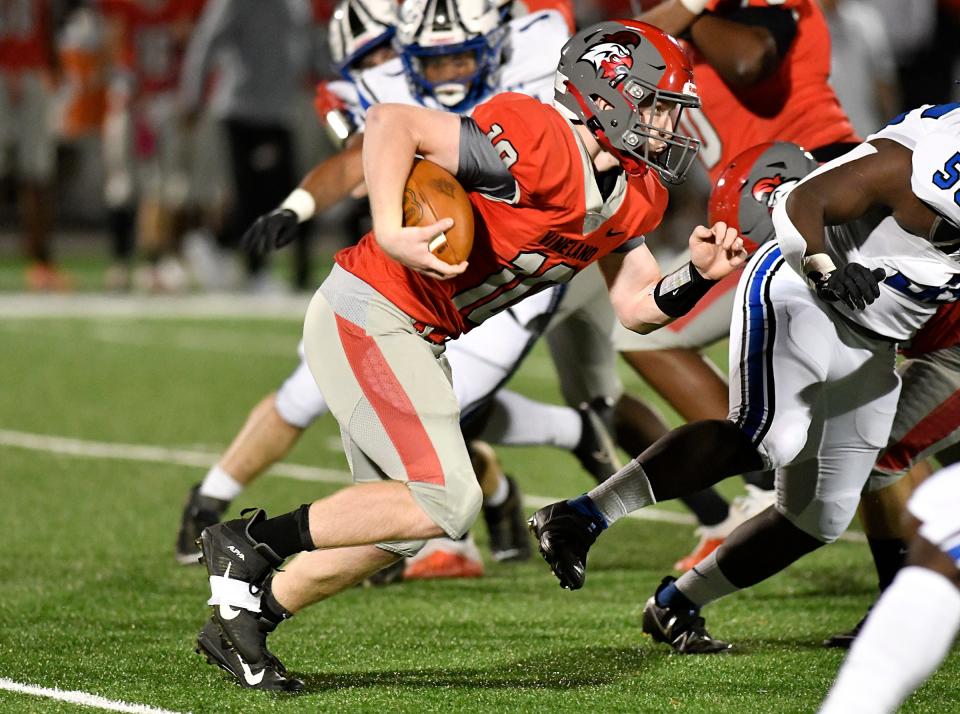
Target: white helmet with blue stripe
468 31
357 28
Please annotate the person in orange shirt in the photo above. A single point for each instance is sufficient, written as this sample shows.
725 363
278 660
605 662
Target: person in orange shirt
28 76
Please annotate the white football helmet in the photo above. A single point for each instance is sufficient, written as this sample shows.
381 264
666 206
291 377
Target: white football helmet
358 27
430 29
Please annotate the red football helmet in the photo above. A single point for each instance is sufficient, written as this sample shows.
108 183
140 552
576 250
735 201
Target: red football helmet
616 77
750 186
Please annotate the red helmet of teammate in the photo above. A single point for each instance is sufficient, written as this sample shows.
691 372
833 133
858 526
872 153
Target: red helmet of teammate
628 81
753 183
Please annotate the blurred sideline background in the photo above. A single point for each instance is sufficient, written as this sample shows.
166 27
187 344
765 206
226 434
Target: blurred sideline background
110 181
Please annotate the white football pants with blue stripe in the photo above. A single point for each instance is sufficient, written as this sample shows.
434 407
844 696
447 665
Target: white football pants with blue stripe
815 394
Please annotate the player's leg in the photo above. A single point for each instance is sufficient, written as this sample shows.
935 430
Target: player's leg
911 628
817 495
766 427
927 420
271 430
390 391
670 361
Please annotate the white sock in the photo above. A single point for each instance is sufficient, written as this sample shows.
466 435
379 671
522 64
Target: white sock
626 491
499 497
704 582
906 637
515 420
219 484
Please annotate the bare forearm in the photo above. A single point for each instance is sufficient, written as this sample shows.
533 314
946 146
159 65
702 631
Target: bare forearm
671 17
332 180
389 148
742 54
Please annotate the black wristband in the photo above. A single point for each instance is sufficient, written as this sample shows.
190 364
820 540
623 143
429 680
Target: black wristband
679 291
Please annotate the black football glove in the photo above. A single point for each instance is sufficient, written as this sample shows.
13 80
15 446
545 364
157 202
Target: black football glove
271 231
852 284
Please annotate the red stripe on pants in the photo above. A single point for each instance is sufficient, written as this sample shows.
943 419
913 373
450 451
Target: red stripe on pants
937 425
392 405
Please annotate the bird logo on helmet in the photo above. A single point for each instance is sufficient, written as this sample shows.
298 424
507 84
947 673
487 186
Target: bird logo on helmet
751 186
628 83
612 57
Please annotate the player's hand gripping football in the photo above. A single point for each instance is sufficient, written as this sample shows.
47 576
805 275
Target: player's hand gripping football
716 251
410 246
271 231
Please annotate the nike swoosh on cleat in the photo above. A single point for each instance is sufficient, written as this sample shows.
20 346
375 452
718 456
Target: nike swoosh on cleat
227 612
252 679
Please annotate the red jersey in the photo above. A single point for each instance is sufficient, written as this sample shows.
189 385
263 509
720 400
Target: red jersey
522 246
940 331
794 104
25 35
155 35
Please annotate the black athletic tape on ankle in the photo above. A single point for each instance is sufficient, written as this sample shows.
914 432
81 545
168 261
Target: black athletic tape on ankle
679 291
270 609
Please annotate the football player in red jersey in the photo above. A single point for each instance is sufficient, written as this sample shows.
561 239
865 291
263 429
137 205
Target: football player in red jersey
762 71
549 199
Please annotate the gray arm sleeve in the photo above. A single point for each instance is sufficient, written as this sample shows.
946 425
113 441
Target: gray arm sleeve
481 168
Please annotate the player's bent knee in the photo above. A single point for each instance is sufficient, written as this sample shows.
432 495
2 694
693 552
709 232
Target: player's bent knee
824 520
464 511
781 445
404 548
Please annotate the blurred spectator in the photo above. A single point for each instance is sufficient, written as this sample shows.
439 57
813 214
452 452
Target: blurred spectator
862 68
263 52
145 148
28 77
923 35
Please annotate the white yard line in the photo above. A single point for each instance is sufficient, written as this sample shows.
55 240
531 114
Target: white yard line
82 698
301 472
213 306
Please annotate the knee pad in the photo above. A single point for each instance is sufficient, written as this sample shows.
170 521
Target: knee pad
404 548
782 444
299 401
824 520
465 511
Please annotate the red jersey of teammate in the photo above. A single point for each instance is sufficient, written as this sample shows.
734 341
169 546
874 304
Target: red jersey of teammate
940 331
794 104
155 34
25 39
523 246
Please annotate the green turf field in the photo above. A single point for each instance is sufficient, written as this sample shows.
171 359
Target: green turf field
93 601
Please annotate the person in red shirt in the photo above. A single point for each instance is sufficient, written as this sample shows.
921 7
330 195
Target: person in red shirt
149 186
549 198
28 75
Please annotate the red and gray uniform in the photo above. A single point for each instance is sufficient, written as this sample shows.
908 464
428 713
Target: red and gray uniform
375 331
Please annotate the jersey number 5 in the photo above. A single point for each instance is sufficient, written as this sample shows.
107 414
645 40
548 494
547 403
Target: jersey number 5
949 176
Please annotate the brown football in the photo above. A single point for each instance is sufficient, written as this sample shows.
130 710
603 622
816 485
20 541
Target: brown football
432 193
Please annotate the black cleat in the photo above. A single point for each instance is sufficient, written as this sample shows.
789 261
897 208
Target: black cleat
267 673
507 527
199 512
686 633
565 536
230 551
597 451
844 640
